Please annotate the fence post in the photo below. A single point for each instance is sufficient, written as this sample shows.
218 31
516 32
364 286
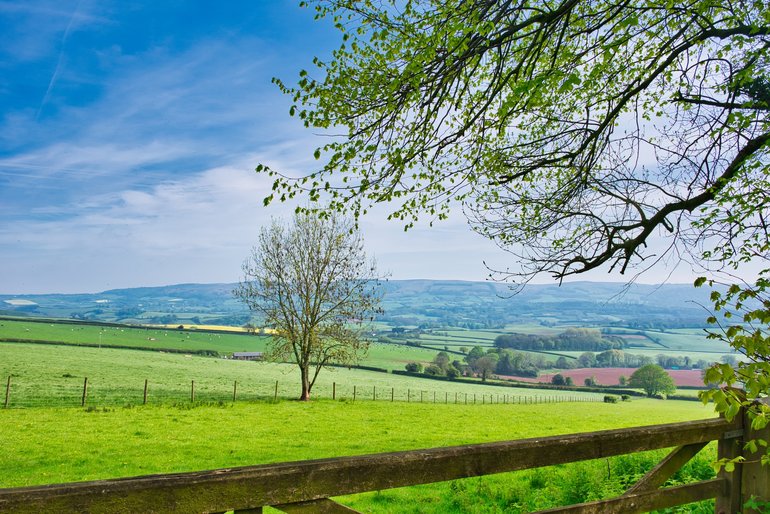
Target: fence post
374 393
192 391
8 391
408 395
422 393
729 449
334 390
392 394
235 389
275 396
354 393
144 394
755 477
85 392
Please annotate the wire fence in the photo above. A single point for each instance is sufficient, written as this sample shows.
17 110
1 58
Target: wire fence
83 392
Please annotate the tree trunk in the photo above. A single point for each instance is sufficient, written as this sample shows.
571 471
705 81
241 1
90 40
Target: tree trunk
305 396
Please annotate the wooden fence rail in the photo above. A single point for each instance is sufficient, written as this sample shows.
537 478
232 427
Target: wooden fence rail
307 486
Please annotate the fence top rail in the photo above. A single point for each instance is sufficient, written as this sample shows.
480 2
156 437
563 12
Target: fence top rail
271 484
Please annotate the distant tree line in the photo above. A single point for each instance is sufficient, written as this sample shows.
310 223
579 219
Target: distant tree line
484 362
573 339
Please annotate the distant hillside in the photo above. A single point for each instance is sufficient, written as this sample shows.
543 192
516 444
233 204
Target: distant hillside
492 305
428 303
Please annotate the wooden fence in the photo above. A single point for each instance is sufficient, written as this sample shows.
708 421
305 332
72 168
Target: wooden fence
307 486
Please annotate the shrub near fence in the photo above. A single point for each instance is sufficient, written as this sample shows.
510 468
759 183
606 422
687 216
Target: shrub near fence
84 392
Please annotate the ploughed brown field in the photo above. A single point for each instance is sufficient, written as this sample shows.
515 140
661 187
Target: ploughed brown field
610 376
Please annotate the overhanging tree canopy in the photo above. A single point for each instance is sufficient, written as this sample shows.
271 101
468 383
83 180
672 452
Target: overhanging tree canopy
571 132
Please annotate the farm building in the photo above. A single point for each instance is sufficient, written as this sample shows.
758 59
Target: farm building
247 356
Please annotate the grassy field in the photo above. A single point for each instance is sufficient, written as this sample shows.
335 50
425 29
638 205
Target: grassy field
380 355
394 356
50 375
159 338
691 342
687 340
46 445
171 434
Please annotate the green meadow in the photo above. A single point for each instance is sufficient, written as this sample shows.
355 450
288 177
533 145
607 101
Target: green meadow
388 356
52 375
137 337
684 342
53 445
46 437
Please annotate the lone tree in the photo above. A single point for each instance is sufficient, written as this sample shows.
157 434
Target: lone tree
558 379
312 283
485 366
574 135
653 380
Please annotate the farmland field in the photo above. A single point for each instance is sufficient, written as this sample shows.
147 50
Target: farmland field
610 376
686 342
138 337
49 375
191 340
392 356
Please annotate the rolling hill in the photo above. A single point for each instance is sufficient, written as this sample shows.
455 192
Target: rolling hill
429 303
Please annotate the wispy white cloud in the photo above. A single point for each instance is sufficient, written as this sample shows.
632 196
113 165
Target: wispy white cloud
159 117
81 159
196 227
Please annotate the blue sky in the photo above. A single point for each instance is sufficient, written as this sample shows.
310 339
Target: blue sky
130 132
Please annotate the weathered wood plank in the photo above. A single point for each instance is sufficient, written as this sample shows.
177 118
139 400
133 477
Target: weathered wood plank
755 478
730 501
323 506
648 500
274 484
658 475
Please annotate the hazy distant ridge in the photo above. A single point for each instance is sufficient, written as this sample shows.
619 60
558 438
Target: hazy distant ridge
407 302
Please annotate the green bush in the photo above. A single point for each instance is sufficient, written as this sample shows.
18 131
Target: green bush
610 398
414 367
